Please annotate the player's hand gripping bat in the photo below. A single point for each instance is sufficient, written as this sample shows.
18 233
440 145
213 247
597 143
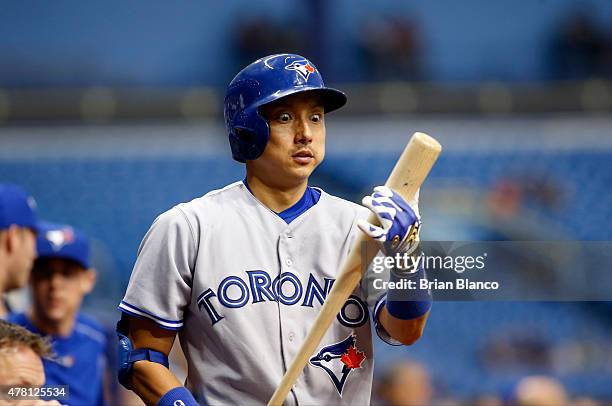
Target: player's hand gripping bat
407 176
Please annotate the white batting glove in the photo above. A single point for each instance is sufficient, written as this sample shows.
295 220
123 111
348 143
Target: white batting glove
400 221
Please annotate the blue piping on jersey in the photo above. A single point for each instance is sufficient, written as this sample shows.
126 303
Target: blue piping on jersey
310 198
164 323
377 326
165 327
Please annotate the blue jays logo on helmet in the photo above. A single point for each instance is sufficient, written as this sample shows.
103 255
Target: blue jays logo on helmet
303 67
338 360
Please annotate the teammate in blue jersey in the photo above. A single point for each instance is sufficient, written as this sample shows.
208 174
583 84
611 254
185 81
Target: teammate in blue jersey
61 278
241 272
18 226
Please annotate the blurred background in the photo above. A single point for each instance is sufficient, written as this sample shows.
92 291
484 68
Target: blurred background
111 113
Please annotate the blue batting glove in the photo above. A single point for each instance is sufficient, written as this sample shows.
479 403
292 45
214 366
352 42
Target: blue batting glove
400 223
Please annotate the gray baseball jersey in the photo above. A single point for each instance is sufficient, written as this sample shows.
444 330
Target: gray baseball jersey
243 288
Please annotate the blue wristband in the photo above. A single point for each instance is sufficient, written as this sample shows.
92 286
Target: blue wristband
408 303
178 396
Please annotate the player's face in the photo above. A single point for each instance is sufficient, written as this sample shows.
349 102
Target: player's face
21 366
58 288
297 138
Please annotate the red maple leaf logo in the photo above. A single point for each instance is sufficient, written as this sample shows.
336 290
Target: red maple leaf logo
353 357
309 68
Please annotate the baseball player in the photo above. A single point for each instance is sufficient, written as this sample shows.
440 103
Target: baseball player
18 227
61 277
241 272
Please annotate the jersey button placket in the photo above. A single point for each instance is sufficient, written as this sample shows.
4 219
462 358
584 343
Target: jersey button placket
290 314
286 312
288 260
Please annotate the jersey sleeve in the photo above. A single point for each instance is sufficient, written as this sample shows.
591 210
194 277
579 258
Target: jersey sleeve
376 298
160 284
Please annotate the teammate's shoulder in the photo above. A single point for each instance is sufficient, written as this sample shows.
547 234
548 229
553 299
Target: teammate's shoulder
90 328
18 318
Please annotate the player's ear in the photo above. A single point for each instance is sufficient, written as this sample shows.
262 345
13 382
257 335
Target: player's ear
12 235
88 280
3 239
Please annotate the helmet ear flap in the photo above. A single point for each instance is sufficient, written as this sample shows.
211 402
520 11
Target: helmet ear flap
248 139
243 144
245 135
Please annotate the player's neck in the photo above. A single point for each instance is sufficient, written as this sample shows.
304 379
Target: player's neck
276 197
62 328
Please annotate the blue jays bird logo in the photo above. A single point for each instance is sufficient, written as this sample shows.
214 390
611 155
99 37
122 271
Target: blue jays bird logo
303 67
338 360
59 238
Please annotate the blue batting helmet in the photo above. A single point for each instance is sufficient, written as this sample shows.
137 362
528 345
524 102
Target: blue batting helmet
262 82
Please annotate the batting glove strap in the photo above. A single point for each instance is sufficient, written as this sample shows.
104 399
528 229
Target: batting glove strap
405 303
178 396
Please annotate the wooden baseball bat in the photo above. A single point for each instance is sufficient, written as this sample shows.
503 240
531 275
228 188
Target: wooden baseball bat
407 176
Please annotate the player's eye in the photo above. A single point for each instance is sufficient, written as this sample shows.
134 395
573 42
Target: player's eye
284 117
315 118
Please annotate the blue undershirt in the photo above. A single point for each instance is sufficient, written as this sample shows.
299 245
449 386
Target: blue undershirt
310 198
